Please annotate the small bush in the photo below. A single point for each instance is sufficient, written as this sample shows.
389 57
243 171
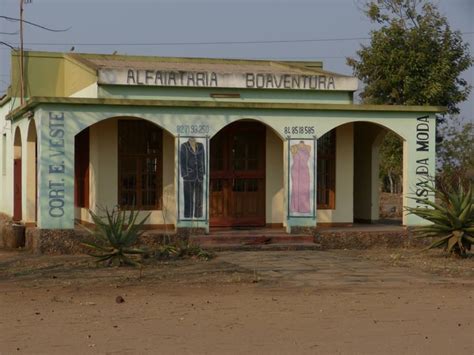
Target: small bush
181 249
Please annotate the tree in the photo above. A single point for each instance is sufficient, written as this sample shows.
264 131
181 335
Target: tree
391 169
456 151
414 58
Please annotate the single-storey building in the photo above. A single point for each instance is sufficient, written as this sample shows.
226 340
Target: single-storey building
199 142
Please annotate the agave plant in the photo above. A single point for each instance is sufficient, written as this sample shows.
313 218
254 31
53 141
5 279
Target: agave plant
116 233
452 217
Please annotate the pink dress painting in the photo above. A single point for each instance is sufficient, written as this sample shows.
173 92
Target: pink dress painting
300 180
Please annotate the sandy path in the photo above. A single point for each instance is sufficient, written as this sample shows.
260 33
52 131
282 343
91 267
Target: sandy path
292 314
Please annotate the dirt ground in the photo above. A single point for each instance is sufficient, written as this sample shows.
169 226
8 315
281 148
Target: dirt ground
287 302
391 206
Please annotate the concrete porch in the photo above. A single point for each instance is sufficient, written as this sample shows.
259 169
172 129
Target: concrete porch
356 236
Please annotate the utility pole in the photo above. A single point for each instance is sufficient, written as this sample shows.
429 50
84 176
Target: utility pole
22 59
22 73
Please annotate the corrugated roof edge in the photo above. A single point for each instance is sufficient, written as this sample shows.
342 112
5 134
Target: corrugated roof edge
194 59
83 58
35 101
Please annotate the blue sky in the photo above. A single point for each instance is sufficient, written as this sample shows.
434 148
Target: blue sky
116 25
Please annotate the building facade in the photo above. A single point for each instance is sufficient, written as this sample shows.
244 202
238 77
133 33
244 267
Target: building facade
199 143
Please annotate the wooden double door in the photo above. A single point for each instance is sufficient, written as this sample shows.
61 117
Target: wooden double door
237 176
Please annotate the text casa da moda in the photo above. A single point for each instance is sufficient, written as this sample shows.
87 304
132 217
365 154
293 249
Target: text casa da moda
422 163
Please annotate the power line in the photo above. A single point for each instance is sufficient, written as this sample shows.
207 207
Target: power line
138 44
9 33
14 19
7 44
197 43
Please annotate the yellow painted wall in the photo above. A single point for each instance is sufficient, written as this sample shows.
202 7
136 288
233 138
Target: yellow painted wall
104 167
274 194
44 75
104 179
49 74
77 77
104 173
87 92
169 186
365 170
344 182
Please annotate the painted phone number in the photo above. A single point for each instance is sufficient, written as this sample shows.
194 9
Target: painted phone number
299 130
192 129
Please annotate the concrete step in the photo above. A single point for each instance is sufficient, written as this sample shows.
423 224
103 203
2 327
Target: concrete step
249 239
261 247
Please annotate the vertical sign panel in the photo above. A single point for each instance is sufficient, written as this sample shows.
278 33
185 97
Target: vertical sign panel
301 178
193 178
56 173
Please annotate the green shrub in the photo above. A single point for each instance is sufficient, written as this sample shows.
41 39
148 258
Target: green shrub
116 234
452 216
181 249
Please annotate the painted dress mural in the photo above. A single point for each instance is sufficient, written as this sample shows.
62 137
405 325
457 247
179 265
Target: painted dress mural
302 164
192 161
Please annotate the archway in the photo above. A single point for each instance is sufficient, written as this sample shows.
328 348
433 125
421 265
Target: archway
31 173
17 176
241 192
126 162
348 183
369 204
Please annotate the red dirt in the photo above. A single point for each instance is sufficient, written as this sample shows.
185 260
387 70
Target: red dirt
307 302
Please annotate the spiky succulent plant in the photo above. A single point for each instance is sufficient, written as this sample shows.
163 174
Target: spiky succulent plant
117 234
451 217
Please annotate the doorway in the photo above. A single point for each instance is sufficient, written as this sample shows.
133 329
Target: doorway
237 176
17 183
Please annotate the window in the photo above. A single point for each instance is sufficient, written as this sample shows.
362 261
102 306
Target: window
81 169
326 171
140 164
4 154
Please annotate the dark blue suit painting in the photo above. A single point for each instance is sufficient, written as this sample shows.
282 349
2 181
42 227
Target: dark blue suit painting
192 161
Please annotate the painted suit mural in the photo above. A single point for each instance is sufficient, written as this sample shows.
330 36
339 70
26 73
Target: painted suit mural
192 169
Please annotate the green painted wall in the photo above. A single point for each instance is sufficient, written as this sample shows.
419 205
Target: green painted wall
56 162
249 95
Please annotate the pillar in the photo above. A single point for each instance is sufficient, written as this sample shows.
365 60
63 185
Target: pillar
55 172
30 169
419 164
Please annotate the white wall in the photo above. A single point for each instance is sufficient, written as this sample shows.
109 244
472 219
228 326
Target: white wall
30 172
344 178
89 91
6 163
